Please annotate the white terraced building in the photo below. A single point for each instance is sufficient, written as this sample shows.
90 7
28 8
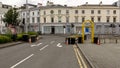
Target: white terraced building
59 19
3 9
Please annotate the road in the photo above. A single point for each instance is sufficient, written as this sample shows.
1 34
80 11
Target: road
49 52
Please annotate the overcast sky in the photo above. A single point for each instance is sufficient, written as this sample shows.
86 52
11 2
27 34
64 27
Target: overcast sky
63 2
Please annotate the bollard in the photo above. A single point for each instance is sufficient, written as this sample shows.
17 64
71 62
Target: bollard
98 41
29 40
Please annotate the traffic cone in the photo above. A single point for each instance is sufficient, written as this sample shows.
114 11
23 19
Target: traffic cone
98 42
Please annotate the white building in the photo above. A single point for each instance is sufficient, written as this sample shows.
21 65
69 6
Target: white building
3 9
59 19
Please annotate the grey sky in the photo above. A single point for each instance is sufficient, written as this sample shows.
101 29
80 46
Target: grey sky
63 2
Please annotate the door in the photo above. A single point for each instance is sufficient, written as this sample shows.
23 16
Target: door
53 30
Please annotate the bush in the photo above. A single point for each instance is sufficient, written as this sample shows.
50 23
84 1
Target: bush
19 36
32 33
5 39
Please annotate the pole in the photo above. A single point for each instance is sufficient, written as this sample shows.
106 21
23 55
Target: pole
26 23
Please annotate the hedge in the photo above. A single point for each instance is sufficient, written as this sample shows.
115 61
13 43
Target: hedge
5 39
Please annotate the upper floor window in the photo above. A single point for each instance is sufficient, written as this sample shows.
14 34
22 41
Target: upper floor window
67 19
99 12
44 13
99 19
52 12
107 19
38 19
76 18
114 19
92 18
38 13
114 11
52 19
108 11
67 11
92 11
33 13
44 19
59 11
59 19
83 11
83 19
76 11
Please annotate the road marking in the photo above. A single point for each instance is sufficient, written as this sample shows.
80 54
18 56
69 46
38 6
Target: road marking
39 44
43 47
33 45
52 42
59 45
80 63
22 61
79 57
85 66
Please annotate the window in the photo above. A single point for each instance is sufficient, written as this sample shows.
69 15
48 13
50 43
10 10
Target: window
33 13
114 19
59 11
33 20
38 19
67 19
52 12
59 19
44 20
76 11
44 13
76 18
83 19
92 11
92 18
23 14
108 11
99 12
108 19
67 11
99 19
38 13
83 11
114 11
52 19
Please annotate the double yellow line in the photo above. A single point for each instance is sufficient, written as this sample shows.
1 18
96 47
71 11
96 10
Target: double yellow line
81 62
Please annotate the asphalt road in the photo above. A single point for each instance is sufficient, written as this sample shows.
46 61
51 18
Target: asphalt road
49 52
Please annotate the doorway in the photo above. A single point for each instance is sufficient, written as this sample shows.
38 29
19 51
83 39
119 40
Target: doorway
52 29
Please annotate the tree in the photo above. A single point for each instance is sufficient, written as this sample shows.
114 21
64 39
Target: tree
11 17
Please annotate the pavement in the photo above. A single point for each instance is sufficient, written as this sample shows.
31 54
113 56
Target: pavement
10 44
103 55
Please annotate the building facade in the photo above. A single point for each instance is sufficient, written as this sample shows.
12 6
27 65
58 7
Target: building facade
58 19
63 19
3 9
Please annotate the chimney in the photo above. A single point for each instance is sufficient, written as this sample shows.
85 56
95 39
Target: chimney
100 3
39 4
86 3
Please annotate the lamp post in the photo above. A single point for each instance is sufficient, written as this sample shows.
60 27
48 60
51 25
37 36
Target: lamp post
26 23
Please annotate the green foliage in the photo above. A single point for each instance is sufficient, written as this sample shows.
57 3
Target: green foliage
11 17
32 33
4 39
19 36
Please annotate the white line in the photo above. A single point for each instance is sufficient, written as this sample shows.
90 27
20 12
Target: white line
43 47
21 61
52 42
59 45
39 44
33 45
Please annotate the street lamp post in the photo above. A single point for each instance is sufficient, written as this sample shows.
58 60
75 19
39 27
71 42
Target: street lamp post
26 23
